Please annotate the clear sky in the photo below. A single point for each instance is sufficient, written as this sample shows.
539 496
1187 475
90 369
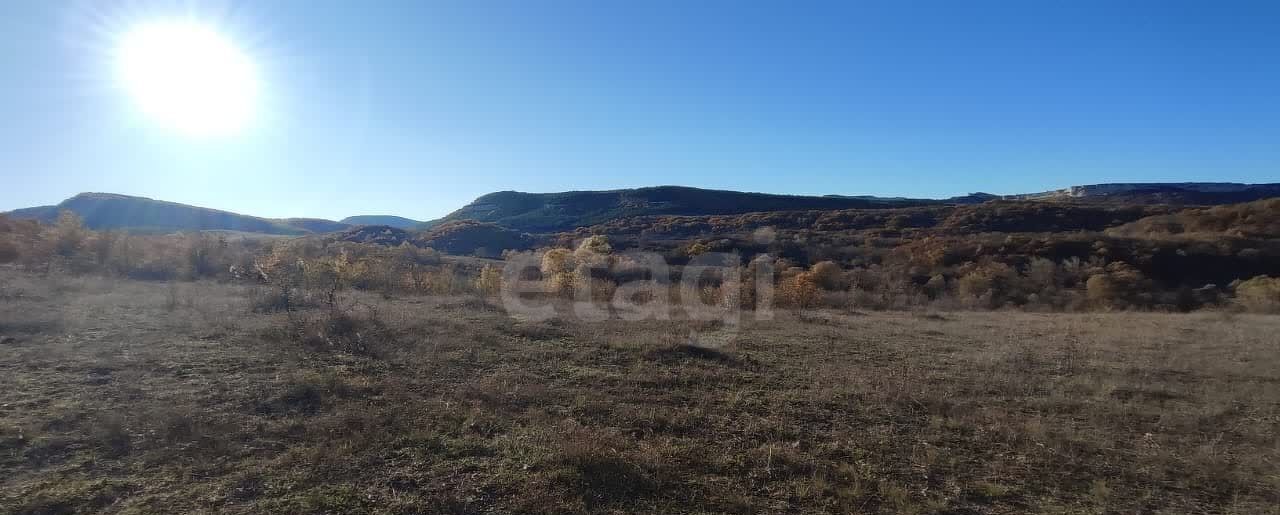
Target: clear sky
414 108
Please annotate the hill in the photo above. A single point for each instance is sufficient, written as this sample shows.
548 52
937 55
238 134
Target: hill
41 213
550 212
112 211
469 237
315 224
566 211
141 214
399 222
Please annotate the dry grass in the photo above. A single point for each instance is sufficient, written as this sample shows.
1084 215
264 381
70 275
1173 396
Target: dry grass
131 397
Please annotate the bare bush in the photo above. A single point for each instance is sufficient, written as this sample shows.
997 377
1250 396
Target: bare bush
828 275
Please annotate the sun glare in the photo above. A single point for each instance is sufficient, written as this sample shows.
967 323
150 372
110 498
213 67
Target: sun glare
187 77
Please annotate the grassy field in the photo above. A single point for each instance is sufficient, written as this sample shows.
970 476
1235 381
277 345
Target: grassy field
145 397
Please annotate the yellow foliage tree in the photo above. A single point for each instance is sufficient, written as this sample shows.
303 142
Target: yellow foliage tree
68 234
558 270
594 245
489 282
697 248
799 291
1101 289
1260 294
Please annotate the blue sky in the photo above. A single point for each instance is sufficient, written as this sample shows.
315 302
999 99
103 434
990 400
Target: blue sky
414 108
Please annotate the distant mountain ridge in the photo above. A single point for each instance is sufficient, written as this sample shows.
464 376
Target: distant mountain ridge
552 212
113 211
565 211
399 222
142 214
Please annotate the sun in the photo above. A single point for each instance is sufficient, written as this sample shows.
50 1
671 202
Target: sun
187 77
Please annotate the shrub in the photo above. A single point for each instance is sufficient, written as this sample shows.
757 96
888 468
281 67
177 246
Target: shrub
1042 274
828 275
866 279
489 281
558 270
799 291
205 255
561 283
274 299
1260 294
597 245
1101 290
986 280
936 286
755 284
100 246
1118 285
344 329
8 251
444 281
556 261
599 290
68 234
697 248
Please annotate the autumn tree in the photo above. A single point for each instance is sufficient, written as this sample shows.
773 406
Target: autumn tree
1260 294
68 234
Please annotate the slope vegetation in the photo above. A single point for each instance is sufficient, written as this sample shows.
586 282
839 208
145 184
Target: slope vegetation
1259 219
469 237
